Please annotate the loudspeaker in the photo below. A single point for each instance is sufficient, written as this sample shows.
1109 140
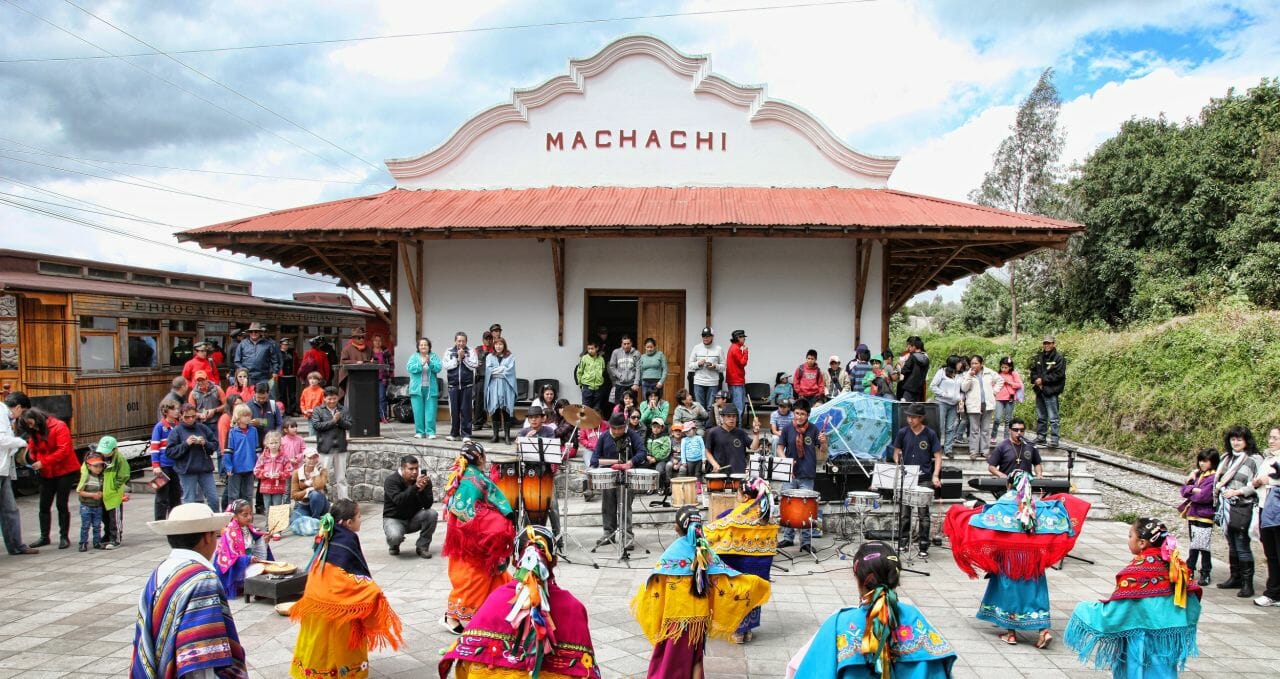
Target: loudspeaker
932 418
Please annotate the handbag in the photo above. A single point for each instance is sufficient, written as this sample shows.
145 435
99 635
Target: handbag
1239 514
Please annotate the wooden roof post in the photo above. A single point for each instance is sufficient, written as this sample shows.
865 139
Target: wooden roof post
707 282
413 274
885 295
557 270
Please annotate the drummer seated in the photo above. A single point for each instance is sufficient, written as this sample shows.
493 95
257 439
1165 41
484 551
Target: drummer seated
406 507
538 428
626 446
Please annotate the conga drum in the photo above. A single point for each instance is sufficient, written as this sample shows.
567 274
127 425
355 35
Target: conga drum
502 469
717 482
798 509
723 502
539 486
684 492
736 482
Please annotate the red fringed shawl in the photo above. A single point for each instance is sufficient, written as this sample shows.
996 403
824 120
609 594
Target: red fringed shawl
1014 555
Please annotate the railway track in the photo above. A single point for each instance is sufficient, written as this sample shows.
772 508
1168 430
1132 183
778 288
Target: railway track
1155 481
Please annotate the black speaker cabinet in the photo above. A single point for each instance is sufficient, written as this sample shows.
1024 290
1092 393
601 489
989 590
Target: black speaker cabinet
362 399
833 487
932 419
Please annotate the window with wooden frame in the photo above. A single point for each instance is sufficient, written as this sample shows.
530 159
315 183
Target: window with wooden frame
99 343
144 343
182 340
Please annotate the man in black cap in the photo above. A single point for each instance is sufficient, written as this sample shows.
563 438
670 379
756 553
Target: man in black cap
707 365
537 424
626 448
728 445
736 369
916 444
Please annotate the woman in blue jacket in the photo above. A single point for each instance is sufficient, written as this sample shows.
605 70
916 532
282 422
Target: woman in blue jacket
500 389
424 391
192 446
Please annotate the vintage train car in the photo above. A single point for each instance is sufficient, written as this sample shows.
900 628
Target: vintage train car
102 342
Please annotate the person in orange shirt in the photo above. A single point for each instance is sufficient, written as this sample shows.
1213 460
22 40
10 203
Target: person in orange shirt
313 395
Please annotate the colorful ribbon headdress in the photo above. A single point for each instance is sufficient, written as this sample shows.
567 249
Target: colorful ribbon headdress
1026 514
530 614
880 560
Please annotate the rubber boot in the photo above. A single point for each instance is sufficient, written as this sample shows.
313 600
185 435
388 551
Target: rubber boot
506 427
1246 580
497 431
1232 582
1206 568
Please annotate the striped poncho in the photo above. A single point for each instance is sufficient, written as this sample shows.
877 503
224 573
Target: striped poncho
184 623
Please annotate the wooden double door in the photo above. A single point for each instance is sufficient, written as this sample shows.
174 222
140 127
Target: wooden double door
659 314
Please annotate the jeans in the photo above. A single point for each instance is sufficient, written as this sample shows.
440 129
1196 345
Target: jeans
738 394
423 523
1004 413
240 486
647 386
90 518
1238 545
923 524
195 485
424 414
270 500
460 411
591 398
1046 414
10 519
979 425
705 395
1271 547
806 534
315 506
58 487
170 496
949 415
337 463
382 400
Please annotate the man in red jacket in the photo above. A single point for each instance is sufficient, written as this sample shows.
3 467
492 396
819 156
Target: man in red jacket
49 447
736 370
201 361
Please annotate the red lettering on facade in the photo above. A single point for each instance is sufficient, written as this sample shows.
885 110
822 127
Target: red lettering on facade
556 140
683 136
578 140
699 139
607 134
653 140
722 136
623 138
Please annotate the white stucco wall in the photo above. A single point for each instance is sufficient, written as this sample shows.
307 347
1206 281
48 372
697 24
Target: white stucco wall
790 295
640 93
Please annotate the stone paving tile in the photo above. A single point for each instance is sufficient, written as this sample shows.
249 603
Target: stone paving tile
76 619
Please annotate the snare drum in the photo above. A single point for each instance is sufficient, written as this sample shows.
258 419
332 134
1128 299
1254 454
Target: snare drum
537 487
602 479
862 501
799 508
684 492
736 482
642 480
717 483
920 496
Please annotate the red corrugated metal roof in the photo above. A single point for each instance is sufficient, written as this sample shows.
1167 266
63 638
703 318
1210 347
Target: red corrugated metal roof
401 209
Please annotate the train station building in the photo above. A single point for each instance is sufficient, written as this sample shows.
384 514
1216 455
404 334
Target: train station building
644 192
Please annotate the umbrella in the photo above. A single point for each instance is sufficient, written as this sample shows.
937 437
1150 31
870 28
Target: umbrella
856 424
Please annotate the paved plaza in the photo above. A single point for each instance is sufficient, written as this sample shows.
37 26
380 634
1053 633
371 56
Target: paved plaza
67 614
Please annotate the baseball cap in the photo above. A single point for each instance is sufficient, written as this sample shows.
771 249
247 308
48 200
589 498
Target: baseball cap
202 375
1049 339
708 332
106 444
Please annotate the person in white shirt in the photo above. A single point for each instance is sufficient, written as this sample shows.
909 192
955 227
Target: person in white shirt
10 521
979 386
707 365
945 388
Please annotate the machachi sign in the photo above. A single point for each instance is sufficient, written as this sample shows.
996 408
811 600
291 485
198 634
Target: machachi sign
607 139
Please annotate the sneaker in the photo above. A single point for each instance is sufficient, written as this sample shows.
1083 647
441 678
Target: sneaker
84 547
393 551
108 545
1053 443
451 437
606 540
417 436
808 549
96 545
922 555
1265 600
466 439
424 553
432 437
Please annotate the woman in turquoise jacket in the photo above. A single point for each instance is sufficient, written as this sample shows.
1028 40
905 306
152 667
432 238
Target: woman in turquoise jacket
424 390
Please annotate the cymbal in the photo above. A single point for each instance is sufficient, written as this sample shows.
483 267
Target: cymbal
581 416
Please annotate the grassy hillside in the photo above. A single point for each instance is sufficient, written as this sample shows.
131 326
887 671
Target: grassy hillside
1157 392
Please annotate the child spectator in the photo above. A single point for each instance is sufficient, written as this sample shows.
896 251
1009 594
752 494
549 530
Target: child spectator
239 546
779 419
115 476
292 445
834 373
312 396
1197 509
657 444
693 454
808 380
654 407
782 390
90 491
272 470
241 455
717 406
589 375
877 382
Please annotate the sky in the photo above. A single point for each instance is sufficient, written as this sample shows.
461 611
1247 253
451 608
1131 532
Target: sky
141 147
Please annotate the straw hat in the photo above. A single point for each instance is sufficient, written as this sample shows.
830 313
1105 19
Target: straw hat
190 518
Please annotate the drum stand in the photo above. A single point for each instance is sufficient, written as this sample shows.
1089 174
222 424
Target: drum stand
619 534
560 500
899 492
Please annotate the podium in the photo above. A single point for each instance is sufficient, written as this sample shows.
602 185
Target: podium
362 398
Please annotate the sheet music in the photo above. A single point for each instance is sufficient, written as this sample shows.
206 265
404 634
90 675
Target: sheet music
534 449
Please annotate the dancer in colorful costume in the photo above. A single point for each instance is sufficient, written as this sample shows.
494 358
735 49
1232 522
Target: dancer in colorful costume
343 612
479 537
1015 540
1147 628
690 595
881 637
746 541
529 627
239 546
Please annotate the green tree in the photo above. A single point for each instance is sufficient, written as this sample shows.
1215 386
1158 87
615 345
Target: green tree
1024 174
984 308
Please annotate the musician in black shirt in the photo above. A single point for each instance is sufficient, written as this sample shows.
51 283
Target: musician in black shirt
1014 453
627 447
729 445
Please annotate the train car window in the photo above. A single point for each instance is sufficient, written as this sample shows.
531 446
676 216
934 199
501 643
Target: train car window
144 351
97 323
216 328
97 352
182 336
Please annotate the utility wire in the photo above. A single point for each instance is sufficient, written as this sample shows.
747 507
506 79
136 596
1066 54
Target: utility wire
64 196
174 85
458 31
118 232
82 209
43 152
226 87
144 186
